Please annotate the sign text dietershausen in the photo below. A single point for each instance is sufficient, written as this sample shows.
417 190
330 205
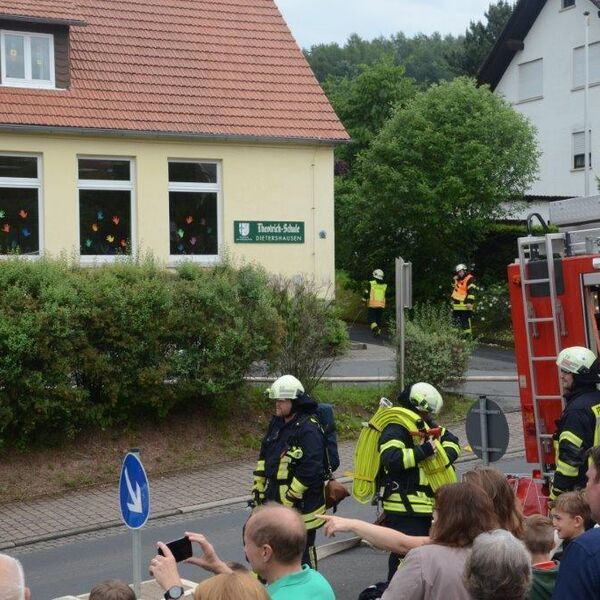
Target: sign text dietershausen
268 232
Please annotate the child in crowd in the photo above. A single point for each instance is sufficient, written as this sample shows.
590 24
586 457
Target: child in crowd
570 518
538 537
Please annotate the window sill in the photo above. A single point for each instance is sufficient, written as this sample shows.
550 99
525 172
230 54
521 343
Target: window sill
207 260
566 8
30 85
578 88
526 100
90 260
20 256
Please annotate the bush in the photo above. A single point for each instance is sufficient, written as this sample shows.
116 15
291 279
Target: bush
435 351
38 341
93 347
313 335
223 321
492 311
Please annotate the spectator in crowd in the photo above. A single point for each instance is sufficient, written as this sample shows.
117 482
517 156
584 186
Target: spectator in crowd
570 517
538 537
12 579
493 482
435 570
579 573
231 586
498 567
274 541
112 590
506 505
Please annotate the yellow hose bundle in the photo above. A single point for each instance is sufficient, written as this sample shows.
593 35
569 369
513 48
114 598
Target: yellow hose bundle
367 458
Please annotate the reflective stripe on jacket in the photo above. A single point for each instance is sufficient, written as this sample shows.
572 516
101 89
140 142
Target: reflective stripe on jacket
463 292
292 460
376 294
407 489
578 430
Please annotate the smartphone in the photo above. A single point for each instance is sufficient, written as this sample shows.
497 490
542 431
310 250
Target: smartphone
181 548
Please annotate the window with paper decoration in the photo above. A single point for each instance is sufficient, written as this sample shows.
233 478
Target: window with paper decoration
194 208
105 191
19 205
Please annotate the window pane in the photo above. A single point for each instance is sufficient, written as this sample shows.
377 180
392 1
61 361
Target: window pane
15 56
193 223
18 166
40 58
92 168
567 3
105 222
191 172
19 224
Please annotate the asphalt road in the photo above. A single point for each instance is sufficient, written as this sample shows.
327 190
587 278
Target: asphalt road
75 565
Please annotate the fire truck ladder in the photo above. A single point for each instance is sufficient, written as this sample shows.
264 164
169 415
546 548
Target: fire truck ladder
530 249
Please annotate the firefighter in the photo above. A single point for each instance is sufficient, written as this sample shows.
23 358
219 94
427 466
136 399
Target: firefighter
374 298
291 469
407 496
578 428
463 298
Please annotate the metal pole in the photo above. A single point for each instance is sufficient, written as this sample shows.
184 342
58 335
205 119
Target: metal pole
400 318
136 539
586 126
484 431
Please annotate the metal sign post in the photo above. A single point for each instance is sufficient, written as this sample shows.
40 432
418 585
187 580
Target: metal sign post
134 498
487 430
403 300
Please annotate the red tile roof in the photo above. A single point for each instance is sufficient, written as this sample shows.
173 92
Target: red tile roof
188 67
42 9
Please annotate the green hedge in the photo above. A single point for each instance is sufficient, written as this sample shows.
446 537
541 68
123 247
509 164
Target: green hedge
92 347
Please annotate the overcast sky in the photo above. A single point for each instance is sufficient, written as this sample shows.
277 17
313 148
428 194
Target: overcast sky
323 21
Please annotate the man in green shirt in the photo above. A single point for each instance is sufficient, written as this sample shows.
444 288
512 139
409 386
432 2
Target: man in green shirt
274 541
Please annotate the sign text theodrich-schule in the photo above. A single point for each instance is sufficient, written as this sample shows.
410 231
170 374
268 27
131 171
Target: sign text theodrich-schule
268 232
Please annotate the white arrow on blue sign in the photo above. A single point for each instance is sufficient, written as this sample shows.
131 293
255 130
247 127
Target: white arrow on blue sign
134 492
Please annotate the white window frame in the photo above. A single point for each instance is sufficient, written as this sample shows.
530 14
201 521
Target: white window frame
27 81
28 183
108 184
522 67
579 51
178 186
573 153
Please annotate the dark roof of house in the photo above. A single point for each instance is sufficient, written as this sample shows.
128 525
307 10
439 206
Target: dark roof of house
200 68
510 41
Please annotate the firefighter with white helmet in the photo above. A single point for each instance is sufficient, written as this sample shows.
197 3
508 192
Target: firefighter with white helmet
374 298
463 298
290 468
578 428
407 496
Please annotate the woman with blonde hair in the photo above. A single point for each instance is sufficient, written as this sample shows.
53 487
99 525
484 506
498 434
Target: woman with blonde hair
231 586
506 504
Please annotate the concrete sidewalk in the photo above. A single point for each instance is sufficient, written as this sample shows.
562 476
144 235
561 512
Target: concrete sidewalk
225 483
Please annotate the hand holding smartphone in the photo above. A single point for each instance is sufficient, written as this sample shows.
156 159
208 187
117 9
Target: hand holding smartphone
181 548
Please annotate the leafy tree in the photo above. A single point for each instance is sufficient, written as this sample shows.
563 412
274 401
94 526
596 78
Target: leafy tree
481 37
432 182
366 102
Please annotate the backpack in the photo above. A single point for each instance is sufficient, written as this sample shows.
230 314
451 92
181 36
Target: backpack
324 414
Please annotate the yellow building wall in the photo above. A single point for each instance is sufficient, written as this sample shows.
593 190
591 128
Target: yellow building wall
266 182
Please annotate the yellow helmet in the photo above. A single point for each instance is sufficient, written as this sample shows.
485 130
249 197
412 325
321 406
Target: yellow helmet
576 359
286 387
425 398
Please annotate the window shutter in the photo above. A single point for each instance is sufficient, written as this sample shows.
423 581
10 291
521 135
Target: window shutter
531 79
579 64
578 143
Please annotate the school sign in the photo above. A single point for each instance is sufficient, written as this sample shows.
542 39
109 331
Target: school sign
268 232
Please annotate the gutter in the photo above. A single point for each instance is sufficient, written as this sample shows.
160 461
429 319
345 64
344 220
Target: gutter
168 135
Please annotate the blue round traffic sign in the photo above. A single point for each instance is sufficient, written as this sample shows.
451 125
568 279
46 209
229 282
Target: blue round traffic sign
134 492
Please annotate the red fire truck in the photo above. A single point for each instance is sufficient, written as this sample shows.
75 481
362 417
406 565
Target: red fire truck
554 294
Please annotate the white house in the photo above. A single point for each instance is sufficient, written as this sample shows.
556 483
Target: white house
538 65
